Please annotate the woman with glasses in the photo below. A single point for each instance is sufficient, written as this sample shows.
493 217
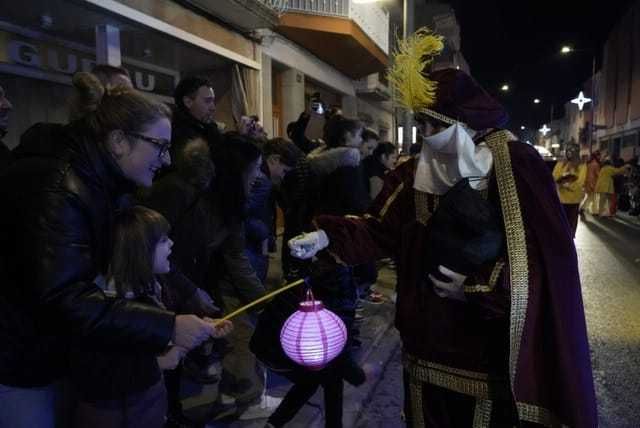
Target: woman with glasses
57 229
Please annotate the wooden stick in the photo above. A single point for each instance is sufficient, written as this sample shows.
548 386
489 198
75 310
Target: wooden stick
260 300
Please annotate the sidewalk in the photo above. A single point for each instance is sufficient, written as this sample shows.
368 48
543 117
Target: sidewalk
380 341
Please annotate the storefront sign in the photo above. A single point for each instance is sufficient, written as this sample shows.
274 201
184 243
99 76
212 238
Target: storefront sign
59 61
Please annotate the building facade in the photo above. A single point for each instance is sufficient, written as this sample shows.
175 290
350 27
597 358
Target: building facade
43 43
339 49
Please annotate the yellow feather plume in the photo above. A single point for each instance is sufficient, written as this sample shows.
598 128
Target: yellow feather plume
412 89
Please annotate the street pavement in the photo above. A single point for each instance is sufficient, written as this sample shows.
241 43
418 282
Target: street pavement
609 257
609 260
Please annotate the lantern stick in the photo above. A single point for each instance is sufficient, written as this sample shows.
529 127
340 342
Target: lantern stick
260 300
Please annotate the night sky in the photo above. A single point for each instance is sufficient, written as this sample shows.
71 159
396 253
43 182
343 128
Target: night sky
518 42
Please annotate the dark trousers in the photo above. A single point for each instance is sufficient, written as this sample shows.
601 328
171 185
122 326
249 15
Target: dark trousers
145 409
305 385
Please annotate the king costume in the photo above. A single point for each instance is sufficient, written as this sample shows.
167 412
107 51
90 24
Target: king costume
514 350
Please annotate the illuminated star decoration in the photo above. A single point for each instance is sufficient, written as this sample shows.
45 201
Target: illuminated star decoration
544 130
581 100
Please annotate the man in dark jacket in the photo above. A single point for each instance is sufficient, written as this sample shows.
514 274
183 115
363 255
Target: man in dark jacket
5 108
193 117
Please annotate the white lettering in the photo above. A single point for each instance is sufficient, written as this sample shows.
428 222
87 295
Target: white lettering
140 84
54 62
24 53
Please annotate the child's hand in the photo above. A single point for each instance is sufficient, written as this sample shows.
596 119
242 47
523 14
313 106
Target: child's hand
171 359
221 328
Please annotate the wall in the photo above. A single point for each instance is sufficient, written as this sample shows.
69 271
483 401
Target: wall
178 16
382 119
33 101
293 95
288 53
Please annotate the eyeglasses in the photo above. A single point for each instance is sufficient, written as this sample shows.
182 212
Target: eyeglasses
162 144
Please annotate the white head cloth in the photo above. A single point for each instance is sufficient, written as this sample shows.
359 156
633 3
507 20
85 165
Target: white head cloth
449 156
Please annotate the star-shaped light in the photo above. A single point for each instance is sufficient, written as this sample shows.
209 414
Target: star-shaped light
581 100
544 130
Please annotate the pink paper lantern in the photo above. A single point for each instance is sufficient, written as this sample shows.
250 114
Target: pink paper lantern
313 335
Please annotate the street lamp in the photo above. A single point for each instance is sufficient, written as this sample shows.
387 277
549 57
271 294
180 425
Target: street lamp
536 101
566 50
522 127
504 88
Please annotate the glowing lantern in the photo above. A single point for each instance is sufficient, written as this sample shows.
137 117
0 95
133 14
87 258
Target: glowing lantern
313 335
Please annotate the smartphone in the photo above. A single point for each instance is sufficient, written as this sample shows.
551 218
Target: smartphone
317 107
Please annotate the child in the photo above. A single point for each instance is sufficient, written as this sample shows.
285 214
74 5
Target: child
116 387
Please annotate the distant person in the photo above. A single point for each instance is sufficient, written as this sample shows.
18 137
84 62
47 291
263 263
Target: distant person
570 175
605 190
593 170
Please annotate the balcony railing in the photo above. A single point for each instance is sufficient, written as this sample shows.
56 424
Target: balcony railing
371 18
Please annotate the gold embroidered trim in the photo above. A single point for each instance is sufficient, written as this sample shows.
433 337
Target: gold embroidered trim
516 242
482 414
421 201
538 415
392 198
476 384
369 216
493 280
441 117
417 417
422 206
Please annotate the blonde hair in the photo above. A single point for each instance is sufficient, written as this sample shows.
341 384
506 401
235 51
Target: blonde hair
106 109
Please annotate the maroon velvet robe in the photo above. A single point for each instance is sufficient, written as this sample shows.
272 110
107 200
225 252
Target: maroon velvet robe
518 345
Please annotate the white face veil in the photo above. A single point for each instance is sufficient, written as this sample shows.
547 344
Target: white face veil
449 156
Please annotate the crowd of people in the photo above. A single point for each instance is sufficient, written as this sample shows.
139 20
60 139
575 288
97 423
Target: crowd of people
136 227
133 229
600 186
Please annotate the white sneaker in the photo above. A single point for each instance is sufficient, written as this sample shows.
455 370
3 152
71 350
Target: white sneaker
227 399
261 410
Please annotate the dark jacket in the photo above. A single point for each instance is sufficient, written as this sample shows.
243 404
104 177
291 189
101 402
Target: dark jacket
259 224
43 140
297 131
57 239
343 192
198 231
117 373
185 127
6 158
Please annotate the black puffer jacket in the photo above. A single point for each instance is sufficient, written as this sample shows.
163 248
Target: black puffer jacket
56 224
